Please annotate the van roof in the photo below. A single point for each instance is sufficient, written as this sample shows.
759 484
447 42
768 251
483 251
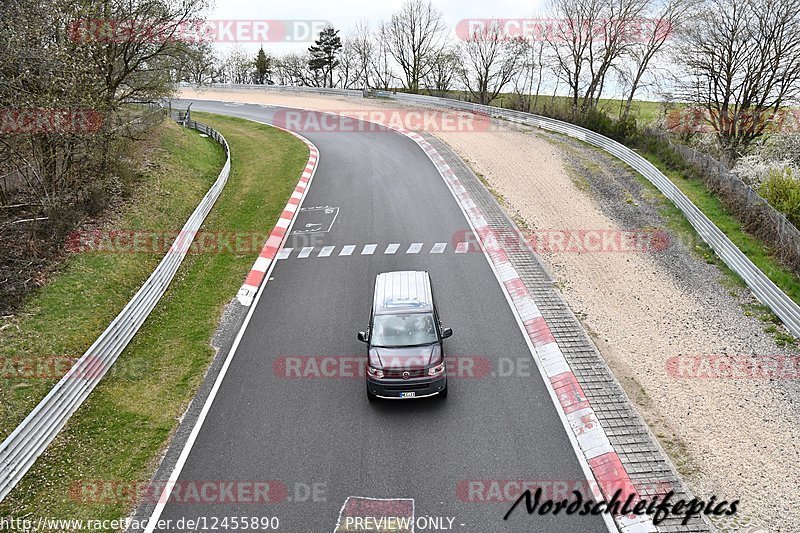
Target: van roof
405 291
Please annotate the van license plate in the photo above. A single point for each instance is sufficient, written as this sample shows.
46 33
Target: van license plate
407 394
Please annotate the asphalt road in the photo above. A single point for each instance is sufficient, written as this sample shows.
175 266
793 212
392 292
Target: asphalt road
308 432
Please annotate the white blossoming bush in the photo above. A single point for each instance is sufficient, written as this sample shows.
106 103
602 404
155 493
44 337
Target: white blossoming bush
778 154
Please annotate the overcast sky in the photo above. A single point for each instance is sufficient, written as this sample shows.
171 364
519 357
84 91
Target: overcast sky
343 14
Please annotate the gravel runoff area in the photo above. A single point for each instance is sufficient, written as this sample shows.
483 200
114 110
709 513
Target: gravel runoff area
733 438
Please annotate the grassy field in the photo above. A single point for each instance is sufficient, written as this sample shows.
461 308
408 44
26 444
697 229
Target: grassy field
646 112
118 433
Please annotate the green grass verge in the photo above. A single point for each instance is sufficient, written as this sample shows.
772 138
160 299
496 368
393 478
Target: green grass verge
759 253
118 433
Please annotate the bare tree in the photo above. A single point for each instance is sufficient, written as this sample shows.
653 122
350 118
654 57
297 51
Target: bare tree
363 46
742 64
348 71
608 40
292 69
416 35
490 60
571 39
529 71
200 65
238 66
381 71
663 23
443 72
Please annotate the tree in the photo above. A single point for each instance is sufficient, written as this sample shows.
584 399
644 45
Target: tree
443 72
571 39
741 62
292 69
200 65
490 61
668 16
324 55
263 66
381 70
363 44
238 66
609 39
416 35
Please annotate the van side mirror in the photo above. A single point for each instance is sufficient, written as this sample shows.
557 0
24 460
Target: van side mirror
362 336
447 332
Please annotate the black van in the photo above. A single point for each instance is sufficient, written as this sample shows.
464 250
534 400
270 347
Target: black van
405 355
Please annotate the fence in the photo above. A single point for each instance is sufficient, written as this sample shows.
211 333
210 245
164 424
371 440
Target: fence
756 214
28 441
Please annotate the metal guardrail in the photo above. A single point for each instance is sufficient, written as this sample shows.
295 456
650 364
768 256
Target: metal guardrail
762 287
28 441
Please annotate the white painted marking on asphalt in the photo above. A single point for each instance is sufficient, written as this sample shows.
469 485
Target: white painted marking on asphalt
305 252
438 248
378 501
326 251
347 250
414 248
284 253
391 249
462 247
369 249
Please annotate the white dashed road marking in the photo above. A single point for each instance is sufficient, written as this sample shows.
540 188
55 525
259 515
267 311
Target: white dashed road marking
438 248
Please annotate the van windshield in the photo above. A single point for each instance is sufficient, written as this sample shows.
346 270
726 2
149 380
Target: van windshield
413 329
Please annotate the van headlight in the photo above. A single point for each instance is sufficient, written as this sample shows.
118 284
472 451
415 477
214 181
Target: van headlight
376 373
436 370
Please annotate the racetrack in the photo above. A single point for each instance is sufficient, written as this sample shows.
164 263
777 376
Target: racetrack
308 430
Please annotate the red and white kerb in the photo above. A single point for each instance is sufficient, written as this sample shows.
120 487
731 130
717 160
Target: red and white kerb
277 236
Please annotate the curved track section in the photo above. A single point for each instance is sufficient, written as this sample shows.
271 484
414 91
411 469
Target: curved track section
377 203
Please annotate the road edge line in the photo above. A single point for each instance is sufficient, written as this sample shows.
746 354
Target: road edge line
255 298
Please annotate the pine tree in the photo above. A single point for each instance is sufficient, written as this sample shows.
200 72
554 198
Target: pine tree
262 64
323 54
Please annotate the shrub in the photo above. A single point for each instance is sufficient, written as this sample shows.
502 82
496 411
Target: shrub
782 190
